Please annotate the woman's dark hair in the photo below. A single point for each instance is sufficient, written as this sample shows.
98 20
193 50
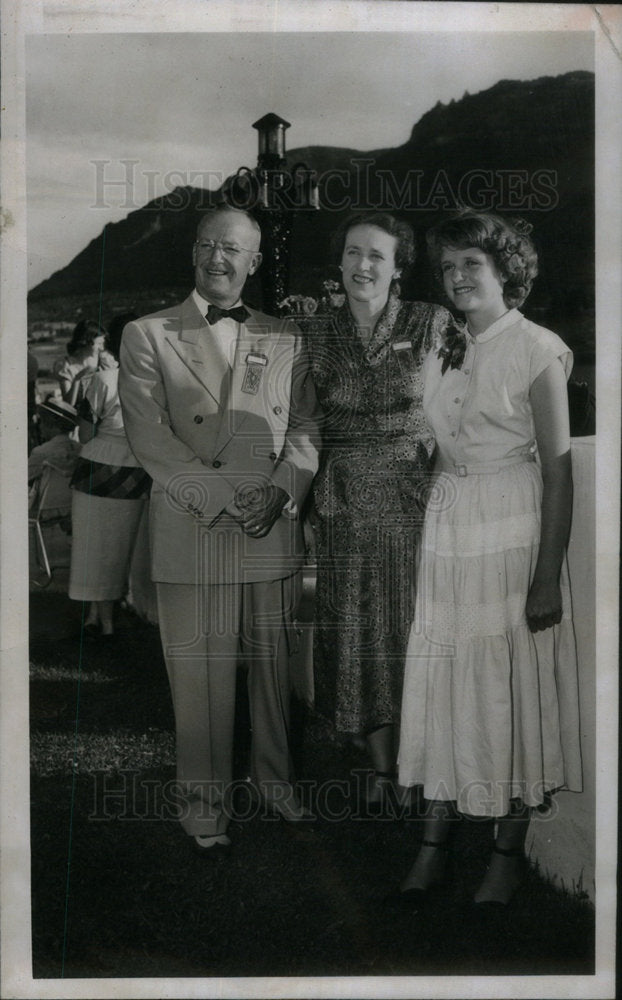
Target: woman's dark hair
115 332
405 241
505 240
84 335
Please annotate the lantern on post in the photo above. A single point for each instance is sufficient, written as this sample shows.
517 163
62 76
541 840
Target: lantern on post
276 193
271 135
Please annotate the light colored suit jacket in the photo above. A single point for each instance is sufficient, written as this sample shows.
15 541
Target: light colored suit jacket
199 435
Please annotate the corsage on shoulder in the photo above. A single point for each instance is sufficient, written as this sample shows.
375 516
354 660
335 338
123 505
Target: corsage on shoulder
453 348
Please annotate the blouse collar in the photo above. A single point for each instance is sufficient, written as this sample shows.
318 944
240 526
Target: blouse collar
509 318
380 341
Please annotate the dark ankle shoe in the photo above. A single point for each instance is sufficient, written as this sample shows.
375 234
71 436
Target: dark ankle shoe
414 898
492 907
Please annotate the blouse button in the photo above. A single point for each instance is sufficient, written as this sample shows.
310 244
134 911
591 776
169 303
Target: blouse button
216 464
467 371
198 419
453 434
277 410
457 399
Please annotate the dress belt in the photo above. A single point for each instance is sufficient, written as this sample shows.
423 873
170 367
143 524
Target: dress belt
479 469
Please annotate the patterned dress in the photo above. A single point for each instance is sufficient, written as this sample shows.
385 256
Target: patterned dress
369 499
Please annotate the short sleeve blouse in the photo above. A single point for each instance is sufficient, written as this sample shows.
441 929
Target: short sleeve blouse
102 405
481 412
67 370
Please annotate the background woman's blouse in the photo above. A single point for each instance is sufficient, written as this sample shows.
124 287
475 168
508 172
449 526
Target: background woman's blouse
481 413
101 404
68 369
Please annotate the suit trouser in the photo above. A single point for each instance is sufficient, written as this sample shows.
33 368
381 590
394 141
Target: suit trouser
205 631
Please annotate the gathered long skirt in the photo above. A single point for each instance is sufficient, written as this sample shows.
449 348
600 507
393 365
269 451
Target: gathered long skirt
104 531
490 709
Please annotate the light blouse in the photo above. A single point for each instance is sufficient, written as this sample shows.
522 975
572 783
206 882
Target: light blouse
481 412
109 445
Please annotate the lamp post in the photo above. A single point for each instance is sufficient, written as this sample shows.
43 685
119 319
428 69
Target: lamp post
275 192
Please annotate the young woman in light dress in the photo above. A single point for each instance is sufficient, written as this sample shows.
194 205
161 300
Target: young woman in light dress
490 712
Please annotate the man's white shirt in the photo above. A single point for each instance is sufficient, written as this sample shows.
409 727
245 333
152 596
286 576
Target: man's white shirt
226 331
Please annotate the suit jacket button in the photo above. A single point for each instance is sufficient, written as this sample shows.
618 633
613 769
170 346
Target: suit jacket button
277 410
216 464
198 419
272 456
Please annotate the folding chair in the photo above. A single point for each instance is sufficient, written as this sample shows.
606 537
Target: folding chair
50 506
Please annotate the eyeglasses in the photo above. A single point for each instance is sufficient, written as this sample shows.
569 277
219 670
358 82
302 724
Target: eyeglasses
228 249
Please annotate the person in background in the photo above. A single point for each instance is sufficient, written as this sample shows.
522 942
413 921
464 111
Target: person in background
110 491
34 430
57 420
369 493
490 722
81 361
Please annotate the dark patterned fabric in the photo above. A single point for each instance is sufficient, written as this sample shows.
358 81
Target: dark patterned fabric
119 482
369 497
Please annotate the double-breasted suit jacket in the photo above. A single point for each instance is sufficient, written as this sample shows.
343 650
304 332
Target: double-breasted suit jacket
202 427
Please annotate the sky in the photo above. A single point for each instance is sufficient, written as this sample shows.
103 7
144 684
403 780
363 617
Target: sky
181 108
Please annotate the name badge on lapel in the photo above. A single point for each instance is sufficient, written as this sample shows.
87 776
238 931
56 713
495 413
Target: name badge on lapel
255 366
405 356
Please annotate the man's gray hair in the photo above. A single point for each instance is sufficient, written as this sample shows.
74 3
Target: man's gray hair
224 206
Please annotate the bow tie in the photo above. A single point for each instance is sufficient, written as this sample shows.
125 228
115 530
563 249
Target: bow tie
214 313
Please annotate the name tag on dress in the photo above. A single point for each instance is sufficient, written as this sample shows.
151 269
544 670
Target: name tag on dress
255 367
405 356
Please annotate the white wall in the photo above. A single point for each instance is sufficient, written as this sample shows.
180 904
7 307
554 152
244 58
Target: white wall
564 843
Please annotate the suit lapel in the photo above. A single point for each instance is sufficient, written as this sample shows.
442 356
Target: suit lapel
255 338
195 346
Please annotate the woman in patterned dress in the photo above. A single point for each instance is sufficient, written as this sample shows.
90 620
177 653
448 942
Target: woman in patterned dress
369 491
110 491
490 707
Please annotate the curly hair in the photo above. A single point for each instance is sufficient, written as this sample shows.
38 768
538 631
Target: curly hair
85 333
400 230
505 240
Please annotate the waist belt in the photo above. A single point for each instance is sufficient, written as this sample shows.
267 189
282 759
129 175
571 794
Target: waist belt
479 469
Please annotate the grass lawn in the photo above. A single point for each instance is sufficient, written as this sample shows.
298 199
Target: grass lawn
118 891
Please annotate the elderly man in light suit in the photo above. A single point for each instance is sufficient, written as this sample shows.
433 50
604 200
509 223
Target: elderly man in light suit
219 408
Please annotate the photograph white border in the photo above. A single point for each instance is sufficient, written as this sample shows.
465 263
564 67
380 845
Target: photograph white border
124 16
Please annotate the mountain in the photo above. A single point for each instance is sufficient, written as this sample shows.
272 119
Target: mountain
520 147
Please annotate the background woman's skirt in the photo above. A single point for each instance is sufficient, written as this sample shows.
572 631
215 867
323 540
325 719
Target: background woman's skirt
104 532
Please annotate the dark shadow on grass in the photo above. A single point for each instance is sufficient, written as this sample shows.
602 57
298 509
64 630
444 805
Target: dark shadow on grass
117 890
